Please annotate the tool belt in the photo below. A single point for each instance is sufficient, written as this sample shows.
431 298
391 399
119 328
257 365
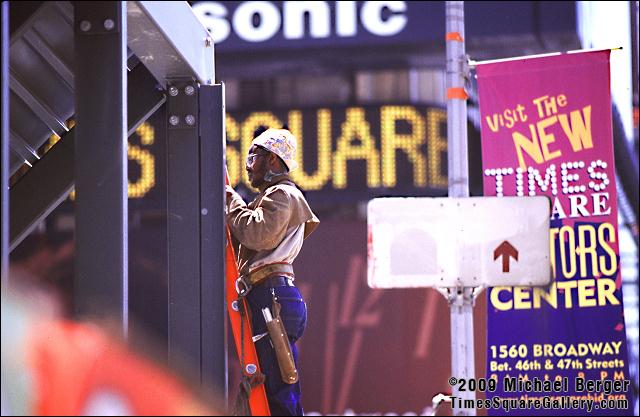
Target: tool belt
273 275
265 274
276 281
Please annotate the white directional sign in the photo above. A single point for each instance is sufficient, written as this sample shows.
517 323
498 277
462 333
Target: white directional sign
450 242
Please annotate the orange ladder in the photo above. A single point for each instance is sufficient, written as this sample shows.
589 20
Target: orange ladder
242 333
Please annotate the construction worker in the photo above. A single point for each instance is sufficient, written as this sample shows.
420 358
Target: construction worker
269 233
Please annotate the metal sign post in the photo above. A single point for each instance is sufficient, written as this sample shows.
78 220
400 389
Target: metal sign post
434 242
461 299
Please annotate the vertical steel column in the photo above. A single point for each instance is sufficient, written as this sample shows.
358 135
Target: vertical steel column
101 282
456 105
195 228
4 150
212 238
183 223
461 298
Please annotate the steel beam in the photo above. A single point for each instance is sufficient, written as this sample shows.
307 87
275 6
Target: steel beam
22 148
4 151
47 115
183 223
195 228
170 40
46 52
49 182
144 97
212 238
42 189
101 280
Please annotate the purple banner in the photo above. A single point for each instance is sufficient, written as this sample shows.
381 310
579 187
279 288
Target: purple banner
547 130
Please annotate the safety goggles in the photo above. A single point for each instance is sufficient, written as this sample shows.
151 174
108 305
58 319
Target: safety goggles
252 157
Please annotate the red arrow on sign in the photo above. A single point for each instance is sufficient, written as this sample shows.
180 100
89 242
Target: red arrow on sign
505 250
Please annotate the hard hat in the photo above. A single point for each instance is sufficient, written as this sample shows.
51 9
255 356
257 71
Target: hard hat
282 143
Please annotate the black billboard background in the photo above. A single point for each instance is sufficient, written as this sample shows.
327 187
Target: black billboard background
424 23
369 351
240 128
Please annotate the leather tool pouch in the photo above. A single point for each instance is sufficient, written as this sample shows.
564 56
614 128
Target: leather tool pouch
280 342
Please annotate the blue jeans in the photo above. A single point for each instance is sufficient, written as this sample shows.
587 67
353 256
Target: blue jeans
284 399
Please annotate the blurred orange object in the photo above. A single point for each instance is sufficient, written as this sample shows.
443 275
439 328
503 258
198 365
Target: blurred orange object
78 369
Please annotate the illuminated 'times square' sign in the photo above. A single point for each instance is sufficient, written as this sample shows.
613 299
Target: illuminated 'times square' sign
353 147
343 152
